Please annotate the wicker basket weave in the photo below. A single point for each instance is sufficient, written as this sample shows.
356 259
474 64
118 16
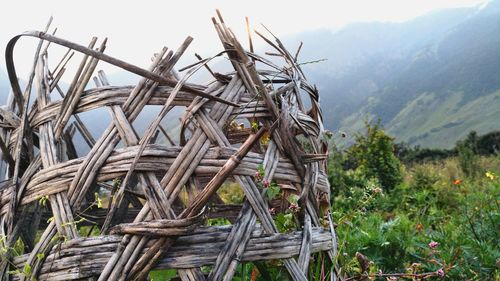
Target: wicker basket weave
117 205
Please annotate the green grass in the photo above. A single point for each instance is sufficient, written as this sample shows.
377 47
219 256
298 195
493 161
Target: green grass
440 122
162 275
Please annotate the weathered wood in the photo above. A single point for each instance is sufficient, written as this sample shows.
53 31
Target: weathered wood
179 174
148 197
88 255
305 247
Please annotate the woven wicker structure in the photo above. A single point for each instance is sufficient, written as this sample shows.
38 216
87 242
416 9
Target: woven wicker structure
132 203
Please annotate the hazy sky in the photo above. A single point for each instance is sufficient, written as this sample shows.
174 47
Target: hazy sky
137 29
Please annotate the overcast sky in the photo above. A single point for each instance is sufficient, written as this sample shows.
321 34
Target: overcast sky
137 29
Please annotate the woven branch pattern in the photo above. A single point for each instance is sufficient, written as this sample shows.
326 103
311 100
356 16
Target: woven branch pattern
250 127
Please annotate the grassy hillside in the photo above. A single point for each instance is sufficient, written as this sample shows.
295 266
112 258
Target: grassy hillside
434 122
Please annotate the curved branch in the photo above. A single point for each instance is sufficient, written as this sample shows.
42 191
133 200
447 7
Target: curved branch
11 70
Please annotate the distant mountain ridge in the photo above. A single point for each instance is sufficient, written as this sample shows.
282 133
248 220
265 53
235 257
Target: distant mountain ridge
430 80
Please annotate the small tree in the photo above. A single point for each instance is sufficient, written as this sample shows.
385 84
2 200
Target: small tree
373 153
468 161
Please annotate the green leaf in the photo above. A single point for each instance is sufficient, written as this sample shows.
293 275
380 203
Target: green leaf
255 125
261 170
98 200
293 198
272 191
280 222
27 270
43 200
285 222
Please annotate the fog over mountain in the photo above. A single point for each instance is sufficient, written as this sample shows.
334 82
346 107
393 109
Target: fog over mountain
430 80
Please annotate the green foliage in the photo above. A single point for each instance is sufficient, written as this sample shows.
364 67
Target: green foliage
373 154
409 155
88 230
423 178
434 203
43 200
97 200
293 198
467 155
218 222
255 126
484 145
336 174
162 275
243 272
261 271
468 160
285 222
27 270
451 199
488 144
272 191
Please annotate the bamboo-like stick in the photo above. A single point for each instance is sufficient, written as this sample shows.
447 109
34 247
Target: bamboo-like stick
92 253
23 103
305 248
73 97
153 220
195 149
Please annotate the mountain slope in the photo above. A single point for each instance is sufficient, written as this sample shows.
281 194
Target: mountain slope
430 80
428 120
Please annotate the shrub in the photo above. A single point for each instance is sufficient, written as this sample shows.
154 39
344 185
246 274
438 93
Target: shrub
423 177
373 153
336 174
468 160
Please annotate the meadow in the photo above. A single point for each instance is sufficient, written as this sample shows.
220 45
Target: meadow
438 221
